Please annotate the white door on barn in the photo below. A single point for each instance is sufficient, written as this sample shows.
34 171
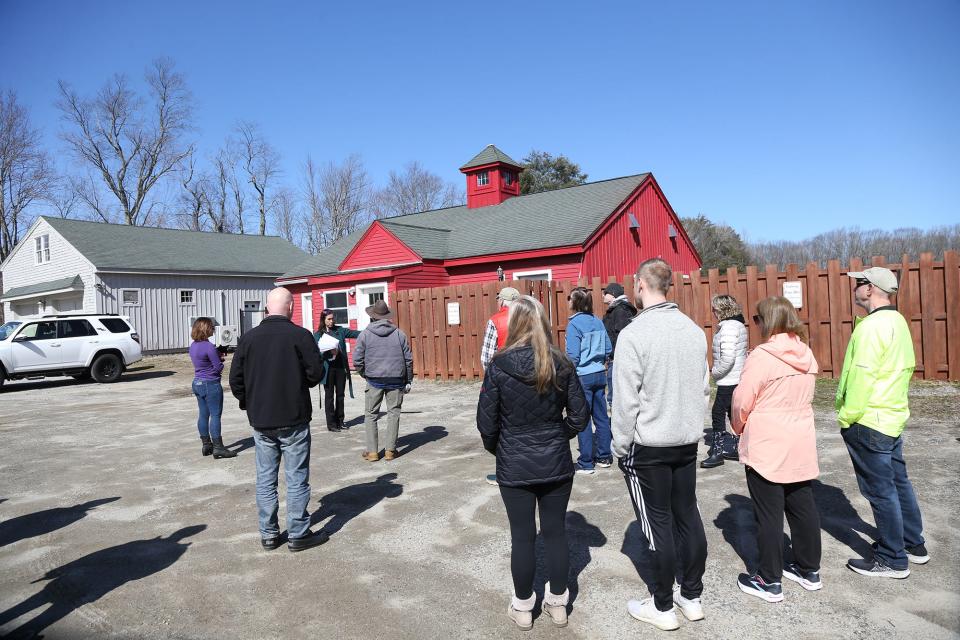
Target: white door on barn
306 311
367 295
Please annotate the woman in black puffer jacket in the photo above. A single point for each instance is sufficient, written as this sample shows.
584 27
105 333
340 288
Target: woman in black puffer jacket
521 420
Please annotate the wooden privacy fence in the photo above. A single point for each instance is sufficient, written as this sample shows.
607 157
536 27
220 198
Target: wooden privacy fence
929 298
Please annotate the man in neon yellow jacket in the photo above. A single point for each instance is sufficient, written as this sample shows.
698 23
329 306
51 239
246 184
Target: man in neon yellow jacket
872 408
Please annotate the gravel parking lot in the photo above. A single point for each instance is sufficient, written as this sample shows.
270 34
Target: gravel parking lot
113 526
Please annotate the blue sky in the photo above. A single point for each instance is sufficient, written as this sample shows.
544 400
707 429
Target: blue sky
783 119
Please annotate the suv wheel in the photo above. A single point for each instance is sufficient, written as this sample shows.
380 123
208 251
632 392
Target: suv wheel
3 376
106 368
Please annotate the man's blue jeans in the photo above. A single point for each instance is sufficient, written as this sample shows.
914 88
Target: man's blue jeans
882 477
610 383
209 395
293 444
593 385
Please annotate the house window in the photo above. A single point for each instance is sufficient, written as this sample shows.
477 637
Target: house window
483 178
130 297
42 246
543 274
508 178
337 302
186 296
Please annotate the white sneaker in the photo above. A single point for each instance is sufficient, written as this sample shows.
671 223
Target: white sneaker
586 472
646 611
492 479
691 608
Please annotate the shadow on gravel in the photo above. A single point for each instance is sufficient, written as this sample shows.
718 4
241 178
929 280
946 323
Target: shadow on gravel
87 579
636 547
739 528
343 505
46 521
840 519
581 535
241 445
357 421
410 441
13 386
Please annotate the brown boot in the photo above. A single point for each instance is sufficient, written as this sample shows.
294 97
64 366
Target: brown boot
390 454
371 456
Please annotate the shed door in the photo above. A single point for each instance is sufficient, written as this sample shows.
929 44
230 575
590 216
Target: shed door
66 305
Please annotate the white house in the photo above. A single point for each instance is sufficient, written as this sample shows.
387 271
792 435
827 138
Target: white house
161 278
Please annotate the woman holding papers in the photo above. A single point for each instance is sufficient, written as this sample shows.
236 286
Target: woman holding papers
336 374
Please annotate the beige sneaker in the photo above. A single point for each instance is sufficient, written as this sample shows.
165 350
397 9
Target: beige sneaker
556 606
370 456
390 454
521 611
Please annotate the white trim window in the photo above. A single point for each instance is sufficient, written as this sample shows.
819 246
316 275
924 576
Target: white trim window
188 297
508 178
339 303
483 178
41 245
130 297
541 274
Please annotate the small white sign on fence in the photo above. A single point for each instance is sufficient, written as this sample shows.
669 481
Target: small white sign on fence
453 313
793 291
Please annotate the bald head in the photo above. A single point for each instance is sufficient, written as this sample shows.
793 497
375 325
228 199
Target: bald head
280 302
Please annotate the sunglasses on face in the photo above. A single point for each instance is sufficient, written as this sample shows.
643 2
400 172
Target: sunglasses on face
860 282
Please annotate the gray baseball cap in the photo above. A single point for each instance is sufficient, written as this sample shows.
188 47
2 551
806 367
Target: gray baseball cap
508 294
880 277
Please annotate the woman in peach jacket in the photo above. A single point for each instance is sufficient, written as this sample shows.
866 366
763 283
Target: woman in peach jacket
773 413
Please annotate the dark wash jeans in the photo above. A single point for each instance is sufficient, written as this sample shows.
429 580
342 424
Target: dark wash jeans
593 385
882 476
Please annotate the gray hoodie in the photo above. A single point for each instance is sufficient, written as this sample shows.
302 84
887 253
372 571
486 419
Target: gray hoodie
661 382
382 351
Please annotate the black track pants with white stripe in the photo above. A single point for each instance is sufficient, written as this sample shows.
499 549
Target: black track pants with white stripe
663 488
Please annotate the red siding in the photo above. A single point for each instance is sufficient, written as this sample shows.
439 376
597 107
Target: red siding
496 190
428 275
617 250
566 267
378 248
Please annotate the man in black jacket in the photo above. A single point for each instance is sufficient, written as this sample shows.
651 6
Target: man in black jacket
619 314
272 372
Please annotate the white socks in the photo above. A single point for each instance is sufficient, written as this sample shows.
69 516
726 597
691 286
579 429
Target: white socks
524 605
553 600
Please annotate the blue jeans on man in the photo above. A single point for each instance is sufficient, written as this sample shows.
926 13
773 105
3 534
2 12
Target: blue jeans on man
882 476
593 389
293 445
209 395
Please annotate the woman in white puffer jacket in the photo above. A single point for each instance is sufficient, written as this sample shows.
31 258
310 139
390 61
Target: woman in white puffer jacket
729 353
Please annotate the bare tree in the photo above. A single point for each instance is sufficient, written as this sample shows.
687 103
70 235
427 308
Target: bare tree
25 171
415 189
286 215
63 197
262 164
128 144
194 198
338 200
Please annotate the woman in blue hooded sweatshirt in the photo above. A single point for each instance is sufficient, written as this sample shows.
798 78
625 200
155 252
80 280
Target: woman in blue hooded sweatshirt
588 346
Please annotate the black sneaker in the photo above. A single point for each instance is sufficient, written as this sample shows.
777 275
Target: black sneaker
269 544
604 462
876 569
312 539
755 586
809 580
916 555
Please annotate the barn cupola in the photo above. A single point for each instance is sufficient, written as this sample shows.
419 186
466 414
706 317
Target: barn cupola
492 177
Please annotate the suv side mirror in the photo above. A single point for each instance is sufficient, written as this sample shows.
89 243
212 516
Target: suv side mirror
20 338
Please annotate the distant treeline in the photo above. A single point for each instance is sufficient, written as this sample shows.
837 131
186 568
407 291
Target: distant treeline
720 246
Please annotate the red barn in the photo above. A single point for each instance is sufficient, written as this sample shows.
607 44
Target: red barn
603 229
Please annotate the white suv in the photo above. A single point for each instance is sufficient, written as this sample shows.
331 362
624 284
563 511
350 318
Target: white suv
100 346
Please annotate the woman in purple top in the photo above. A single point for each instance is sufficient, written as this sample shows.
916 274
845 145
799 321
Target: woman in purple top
207 367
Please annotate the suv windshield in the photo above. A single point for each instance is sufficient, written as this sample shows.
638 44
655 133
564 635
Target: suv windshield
7 329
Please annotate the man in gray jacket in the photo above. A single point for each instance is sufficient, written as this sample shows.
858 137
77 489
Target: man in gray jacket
382 356
662 387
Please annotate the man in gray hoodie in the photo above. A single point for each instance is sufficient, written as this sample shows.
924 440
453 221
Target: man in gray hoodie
661 390
382 356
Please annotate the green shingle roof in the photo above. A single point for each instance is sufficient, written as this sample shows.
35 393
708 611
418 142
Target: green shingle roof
126 248
489 155
74 282
558 218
